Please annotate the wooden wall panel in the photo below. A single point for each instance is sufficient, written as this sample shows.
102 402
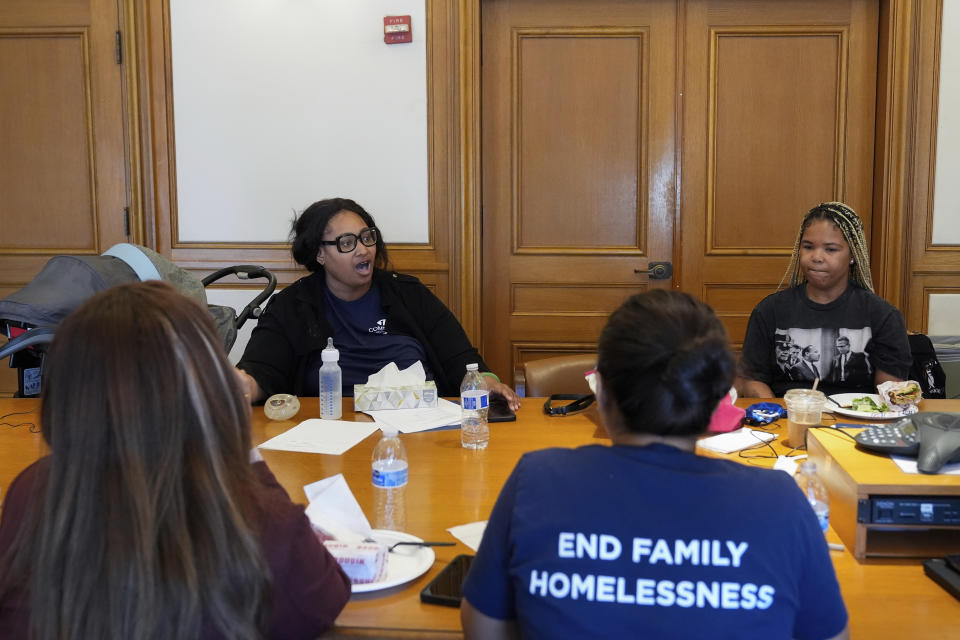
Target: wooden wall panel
530 351
733 304
577 162
47 134
438 283
559 299
726 298
777 113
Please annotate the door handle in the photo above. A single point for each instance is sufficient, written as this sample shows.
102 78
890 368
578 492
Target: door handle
657 270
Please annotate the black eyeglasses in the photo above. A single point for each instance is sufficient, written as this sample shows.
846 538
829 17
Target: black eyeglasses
347 242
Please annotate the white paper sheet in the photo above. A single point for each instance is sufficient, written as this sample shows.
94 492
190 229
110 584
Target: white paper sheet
909 465
735 440
333 437
469 534
413 420
333 508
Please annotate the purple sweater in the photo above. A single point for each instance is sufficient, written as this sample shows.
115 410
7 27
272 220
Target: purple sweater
309 588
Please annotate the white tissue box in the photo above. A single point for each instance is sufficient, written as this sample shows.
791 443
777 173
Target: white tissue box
367 398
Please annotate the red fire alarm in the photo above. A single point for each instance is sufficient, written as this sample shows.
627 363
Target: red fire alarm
397 29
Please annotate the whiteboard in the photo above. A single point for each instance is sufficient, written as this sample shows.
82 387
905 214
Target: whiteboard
279 103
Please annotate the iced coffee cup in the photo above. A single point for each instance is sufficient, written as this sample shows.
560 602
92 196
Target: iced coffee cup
804 407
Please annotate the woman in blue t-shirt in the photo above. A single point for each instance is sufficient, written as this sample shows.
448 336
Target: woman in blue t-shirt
645 538
375 316
829 308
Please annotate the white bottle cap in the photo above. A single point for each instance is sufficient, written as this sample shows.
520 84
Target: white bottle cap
330 354
473 366
389 432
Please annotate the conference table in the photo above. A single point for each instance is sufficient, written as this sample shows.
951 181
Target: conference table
449 485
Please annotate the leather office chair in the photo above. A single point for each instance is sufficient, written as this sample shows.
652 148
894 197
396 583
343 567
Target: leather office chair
560 374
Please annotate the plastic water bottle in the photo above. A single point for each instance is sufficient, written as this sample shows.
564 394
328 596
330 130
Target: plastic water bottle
474 403
331 383
816 493
389 475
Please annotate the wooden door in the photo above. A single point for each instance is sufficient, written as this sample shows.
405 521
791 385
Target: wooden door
778 103
582 145
63 174
578 168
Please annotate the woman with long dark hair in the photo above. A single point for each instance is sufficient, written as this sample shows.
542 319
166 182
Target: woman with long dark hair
645 538
149 519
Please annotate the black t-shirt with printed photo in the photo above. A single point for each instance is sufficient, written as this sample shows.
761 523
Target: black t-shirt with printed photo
792 340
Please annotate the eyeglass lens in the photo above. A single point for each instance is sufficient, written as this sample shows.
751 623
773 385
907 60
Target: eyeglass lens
348 241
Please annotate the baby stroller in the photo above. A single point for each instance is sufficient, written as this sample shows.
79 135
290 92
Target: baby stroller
29 317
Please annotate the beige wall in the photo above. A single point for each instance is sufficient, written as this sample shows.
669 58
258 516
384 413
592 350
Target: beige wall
946 201
945 308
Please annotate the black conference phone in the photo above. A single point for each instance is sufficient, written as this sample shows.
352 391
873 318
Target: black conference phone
932 437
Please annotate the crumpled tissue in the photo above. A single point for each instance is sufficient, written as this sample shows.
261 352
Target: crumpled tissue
391 388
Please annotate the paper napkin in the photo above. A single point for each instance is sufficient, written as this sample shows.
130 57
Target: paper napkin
335 510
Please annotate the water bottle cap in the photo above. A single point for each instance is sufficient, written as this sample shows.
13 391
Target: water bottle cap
473 366
389 432
330 354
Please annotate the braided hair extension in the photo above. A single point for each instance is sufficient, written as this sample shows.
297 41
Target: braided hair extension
851 226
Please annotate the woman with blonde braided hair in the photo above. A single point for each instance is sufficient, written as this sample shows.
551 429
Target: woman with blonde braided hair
850 225
830 305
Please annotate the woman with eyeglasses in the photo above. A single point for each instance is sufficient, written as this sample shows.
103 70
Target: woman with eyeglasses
375 316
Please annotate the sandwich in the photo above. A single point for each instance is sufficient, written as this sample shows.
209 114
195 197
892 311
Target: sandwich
904 394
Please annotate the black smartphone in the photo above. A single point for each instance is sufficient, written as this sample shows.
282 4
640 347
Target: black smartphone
446 586
499 410
953 561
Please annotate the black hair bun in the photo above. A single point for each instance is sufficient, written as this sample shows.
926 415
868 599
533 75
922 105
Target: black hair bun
698 373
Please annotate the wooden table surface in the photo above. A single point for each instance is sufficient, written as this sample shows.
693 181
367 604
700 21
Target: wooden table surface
449 485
